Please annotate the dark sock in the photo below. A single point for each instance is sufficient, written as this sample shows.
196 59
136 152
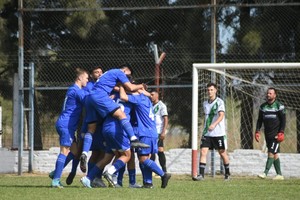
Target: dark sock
153 157
202 168
277 166
226 166
268 165
162 160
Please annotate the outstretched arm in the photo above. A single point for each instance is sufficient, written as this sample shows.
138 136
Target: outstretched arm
132 87
123 95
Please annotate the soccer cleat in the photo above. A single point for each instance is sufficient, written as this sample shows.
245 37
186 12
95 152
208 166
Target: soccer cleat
148 185
227 177
115 179
262 176
70 178
83 161
165 179
109 178
137 144
278 177
56 183
135 186
86 182
98 183
118 186
198 178
51 174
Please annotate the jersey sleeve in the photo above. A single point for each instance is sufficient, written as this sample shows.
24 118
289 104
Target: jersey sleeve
259 119
122 77
163 111
221 106
81 94
282 118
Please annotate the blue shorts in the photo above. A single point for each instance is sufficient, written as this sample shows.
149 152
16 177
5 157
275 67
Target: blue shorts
102 104
66 136
91 114
117 140
98 140
150 141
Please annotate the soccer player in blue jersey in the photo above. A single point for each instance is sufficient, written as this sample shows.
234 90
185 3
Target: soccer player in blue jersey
100 104
68 120
97 145
147 134
117 140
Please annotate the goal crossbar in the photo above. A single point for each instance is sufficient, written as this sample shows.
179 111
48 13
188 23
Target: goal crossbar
214 66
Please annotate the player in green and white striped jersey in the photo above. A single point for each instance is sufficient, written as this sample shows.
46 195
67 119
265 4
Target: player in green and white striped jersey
214 135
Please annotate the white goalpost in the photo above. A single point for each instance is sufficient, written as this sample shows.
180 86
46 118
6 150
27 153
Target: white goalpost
243 87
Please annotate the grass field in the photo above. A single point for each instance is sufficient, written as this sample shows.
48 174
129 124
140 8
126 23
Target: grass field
33 187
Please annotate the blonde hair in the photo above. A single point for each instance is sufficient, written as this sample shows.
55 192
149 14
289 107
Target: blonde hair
79 72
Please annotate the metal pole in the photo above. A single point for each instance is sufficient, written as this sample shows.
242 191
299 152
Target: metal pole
223 96
157 70
0 126
31 116
213 75
195 122
21 85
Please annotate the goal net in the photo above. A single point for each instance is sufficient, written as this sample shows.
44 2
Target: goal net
243 88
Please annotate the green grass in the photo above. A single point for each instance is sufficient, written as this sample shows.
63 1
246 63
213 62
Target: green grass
180 187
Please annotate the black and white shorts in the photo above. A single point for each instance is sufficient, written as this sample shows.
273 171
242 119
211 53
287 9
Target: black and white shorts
214 142
273 146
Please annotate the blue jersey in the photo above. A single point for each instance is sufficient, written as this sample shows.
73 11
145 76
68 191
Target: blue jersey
115 137
144 115
111 124
108 81
89 86
72 108
87 89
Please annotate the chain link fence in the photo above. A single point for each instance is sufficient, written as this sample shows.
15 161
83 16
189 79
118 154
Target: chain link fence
62 35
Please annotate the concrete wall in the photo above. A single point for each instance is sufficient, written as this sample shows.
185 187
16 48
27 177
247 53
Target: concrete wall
242 162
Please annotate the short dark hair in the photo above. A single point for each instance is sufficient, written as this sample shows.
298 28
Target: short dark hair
126 65
272 88
211 84
95 67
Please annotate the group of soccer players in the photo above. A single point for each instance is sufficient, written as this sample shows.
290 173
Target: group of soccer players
118 119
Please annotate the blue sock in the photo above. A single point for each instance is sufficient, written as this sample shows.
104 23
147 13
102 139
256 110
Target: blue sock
147 173
75 164
94 172
69 158
126 125
150 164
87 142
90 166
132 174
142 168
120 175
59 166
119 164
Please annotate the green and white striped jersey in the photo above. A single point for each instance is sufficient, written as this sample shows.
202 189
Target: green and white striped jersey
160 110
211 111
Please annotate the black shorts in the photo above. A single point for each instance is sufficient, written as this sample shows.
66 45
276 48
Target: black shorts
273 146
213 142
